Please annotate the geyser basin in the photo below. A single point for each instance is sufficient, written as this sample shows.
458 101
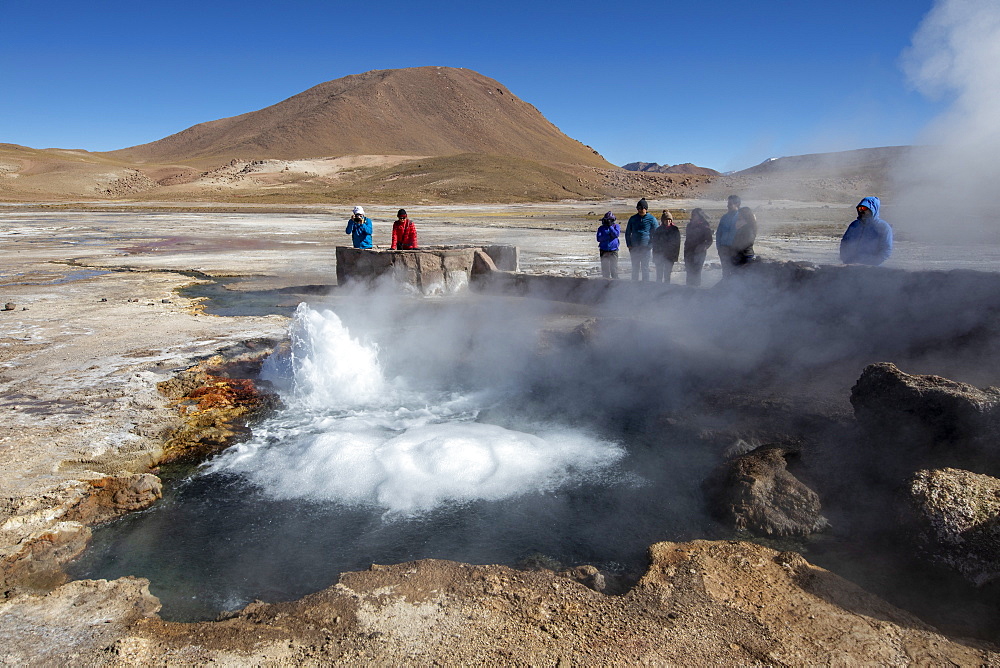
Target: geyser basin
363 466
674 379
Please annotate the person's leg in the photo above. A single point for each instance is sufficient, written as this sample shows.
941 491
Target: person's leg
614 264
647 254
726 260
668 268
660 265
635 256
694 267
606 264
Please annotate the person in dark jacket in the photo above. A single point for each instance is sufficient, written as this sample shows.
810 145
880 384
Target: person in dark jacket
607 243
868 240
744 234
360 228
638 238
404 232
697 241
724 234
666 246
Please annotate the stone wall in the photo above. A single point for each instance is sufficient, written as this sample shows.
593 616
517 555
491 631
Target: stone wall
431 270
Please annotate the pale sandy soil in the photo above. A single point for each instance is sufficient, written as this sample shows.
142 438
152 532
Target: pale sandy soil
77 381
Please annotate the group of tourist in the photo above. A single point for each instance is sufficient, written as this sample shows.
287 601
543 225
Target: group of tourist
868 240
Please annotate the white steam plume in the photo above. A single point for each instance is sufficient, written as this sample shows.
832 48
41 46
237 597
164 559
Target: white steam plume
949 189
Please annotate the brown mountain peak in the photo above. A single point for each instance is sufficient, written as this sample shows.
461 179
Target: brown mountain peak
430 111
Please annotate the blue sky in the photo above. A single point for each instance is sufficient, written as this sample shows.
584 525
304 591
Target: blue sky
720 83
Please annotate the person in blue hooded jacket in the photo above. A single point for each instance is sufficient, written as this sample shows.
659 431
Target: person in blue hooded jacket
607 243
360 228
868 240
639 239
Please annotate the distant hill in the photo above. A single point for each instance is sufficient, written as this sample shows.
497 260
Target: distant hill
421 111
684 168
825 177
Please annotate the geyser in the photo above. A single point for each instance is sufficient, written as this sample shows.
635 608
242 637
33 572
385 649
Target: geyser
350 436
362 466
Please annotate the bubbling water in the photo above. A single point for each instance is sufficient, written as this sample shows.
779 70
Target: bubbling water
351 436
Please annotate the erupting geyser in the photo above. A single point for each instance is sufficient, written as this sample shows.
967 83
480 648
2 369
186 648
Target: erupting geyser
350 436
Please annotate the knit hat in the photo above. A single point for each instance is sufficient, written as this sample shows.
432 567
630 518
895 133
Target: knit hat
358 209
401 213
667 215
608 217
642 204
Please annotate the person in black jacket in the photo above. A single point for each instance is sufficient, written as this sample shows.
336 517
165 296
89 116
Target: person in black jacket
666 246
697 241
746 234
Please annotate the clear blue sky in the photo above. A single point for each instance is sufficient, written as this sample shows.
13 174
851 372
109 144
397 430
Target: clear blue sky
721 83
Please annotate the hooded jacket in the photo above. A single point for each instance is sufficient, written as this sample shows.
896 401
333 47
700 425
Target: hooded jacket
361 233
404 235
867 242
607 237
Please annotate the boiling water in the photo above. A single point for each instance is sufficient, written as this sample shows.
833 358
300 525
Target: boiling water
362 468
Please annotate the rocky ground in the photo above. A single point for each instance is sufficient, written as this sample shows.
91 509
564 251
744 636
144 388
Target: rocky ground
94 324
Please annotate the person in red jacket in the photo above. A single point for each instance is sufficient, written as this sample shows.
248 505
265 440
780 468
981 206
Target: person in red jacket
404 232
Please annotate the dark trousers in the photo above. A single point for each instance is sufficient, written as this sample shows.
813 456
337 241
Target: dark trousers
663 269
693 265
639 255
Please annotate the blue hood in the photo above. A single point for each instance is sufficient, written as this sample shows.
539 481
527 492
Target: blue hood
872 203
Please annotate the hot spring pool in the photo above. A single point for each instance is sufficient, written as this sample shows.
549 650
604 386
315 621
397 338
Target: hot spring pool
361 467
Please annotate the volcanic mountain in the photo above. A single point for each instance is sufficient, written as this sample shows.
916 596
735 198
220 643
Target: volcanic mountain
422 111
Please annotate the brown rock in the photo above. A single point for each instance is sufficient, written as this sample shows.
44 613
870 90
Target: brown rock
959 516
116 495
756 493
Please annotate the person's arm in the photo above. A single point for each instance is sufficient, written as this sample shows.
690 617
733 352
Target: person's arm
675 245
395 237
884 243
350 227
846 243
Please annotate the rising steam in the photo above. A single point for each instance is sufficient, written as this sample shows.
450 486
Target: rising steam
948 190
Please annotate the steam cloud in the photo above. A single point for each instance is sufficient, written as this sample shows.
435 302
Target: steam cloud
949 188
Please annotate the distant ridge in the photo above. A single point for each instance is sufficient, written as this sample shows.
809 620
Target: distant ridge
862 161
684 168
422 111
827 177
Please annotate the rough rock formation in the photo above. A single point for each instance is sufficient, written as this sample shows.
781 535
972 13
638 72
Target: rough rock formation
432 270
685 168
959 516
58 527
215 408
699 603
934 418
756 493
